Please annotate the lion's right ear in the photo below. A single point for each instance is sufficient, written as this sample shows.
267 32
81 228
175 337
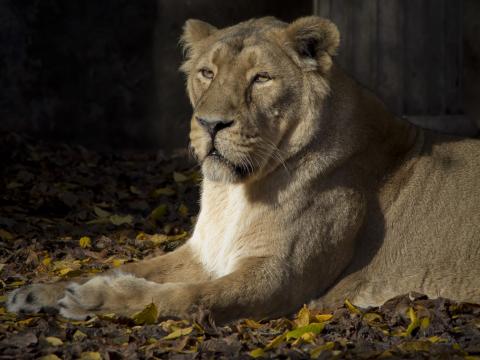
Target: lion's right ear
194 31
314 38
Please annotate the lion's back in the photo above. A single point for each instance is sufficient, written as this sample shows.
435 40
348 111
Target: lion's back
431 232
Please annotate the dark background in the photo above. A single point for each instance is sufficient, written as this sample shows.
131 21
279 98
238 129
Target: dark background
104 74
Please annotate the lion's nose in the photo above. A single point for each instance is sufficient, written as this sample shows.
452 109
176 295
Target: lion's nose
214 126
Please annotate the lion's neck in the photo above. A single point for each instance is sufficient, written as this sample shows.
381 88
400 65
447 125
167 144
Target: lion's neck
363 127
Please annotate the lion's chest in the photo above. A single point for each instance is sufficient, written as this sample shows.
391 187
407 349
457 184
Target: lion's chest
217 236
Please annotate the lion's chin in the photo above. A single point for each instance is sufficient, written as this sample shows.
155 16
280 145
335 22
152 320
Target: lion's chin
218 169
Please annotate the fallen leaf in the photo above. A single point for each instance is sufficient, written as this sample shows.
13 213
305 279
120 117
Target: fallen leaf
315 328
85 242
117 262
159 212
275 342
414 322
78 335
179 177
147 316
323 317
372 317
121 220
90 355
100 212
414 346
6 236
256 353
317 351
252 324
352 308
178 333
47 261
303 317
64 271
183 210
424 323
54 341
167 191
49 357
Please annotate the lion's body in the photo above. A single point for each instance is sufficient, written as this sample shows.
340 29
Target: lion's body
312 190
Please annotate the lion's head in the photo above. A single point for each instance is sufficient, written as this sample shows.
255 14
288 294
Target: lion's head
256 89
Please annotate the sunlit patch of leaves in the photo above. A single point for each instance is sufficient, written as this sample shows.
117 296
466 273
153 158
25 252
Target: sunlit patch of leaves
66 212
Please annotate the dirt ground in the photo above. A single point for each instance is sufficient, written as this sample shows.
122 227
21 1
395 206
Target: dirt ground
67 211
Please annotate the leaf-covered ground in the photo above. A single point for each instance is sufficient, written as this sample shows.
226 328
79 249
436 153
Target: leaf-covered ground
66 211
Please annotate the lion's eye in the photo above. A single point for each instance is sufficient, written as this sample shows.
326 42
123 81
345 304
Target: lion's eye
206 73
262 78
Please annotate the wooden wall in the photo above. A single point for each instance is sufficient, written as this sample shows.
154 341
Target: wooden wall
407 51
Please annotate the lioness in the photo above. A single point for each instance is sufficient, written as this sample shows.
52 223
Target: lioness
311 190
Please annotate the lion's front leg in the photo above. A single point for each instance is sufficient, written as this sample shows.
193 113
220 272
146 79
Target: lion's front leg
103 292
254 289
118 293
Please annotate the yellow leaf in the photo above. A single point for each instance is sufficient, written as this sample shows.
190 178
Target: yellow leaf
183 210
315 328
85 242
90 355
6 236
26 322
252 324
146 316
100 212
436 339
159 212
135 190
372 317
352 308
178 333
196 176
79 336
64 271
303 317
3 298
308 337
107 316
16 284
179 177
424 323
121 220
167 191
117 262
141 236
275 342
317 351
256 353
414 322
323 317
54 341
47 261
414 346
50 357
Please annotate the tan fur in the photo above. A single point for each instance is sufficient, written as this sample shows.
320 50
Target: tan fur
315 191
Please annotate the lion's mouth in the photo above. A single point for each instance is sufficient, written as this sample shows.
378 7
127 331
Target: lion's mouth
239 170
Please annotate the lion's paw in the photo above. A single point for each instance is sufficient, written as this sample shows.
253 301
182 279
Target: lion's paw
35 298
81 301
119 293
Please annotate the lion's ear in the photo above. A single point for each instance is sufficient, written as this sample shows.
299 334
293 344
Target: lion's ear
196 30
314 38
